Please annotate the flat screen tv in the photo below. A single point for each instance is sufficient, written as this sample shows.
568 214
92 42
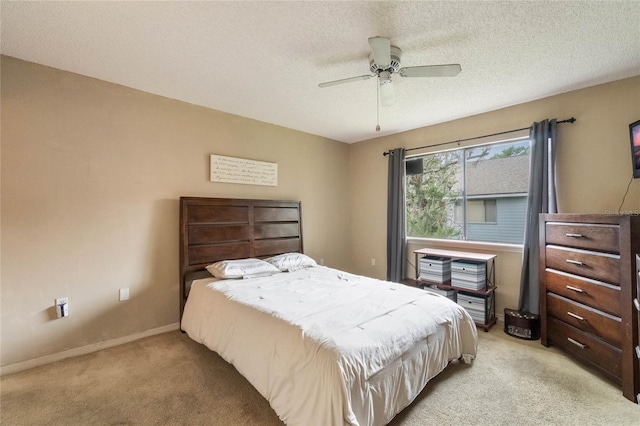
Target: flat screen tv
634 133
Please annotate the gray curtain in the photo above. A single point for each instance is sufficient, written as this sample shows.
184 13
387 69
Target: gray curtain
396 238
542 199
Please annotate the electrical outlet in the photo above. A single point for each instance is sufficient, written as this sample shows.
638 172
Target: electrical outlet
124 294
62 307
373 262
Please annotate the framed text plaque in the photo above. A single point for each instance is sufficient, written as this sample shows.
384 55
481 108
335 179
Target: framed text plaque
243 171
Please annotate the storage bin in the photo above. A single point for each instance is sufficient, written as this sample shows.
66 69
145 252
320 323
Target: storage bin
435 268
469 274
475 306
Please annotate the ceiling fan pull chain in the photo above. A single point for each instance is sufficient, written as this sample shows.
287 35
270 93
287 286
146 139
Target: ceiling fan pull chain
377 106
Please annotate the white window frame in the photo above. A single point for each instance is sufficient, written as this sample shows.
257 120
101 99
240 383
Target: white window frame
465 242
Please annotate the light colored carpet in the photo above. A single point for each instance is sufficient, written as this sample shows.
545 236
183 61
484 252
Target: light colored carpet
170 380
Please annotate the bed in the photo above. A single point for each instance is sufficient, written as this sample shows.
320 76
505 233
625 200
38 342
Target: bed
323 346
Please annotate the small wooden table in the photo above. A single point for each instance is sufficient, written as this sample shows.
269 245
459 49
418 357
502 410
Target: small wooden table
487 293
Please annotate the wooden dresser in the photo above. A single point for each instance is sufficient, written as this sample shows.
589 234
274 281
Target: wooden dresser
588 284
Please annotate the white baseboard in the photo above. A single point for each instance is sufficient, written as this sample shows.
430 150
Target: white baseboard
47 359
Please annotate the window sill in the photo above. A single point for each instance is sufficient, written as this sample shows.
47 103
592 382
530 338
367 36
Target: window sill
466 245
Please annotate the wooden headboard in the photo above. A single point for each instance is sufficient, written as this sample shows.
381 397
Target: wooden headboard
213 229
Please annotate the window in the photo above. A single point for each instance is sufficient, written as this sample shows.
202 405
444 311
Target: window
474 194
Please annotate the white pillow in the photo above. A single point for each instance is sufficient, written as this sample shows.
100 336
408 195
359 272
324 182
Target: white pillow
241 268
291 261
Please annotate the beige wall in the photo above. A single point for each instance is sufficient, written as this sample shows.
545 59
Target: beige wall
593 170
92 172
91 176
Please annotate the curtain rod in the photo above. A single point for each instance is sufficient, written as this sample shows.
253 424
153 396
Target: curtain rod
568 120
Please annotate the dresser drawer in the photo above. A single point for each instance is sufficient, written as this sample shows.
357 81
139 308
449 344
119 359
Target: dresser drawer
590 320
584 235
599 295
586 347
599 266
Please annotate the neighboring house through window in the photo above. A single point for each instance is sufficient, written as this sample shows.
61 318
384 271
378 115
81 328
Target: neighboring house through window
483 198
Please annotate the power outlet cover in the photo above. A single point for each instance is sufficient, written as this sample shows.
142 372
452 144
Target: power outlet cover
62 307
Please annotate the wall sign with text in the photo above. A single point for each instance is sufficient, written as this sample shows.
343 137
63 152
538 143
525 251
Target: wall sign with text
240 170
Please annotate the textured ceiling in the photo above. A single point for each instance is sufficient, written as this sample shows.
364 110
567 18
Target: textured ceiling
264 60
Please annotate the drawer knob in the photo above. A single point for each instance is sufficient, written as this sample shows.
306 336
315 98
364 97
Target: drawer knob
636 303
574 235
575 262
575 342
576 289
578 317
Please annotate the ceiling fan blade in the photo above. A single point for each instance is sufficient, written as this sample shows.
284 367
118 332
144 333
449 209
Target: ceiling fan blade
450 70
381 49
345 80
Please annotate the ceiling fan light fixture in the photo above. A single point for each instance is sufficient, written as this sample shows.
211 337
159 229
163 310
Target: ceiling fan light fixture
385 78
387 92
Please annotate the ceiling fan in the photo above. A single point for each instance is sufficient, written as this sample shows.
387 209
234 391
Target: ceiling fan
384 60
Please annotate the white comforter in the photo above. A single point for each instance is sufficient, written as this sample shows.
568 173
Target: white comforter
325 347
